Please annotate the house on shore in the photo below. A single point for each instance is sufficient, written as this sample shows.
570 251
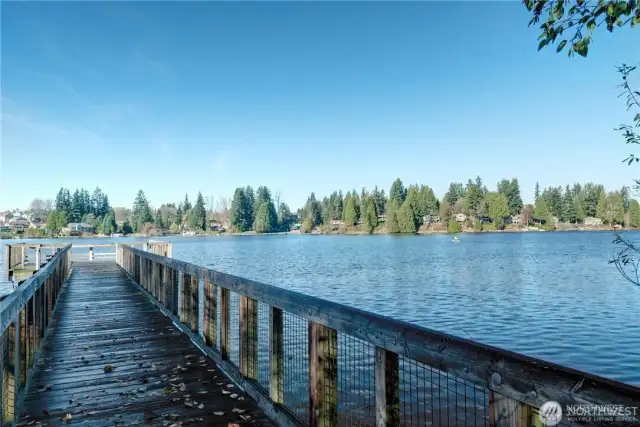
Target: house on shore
78 228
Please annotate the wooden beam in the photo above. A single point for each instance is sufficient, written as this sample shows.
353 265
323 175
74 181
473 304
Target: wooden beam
323 376
387 383
249 338
506 412
276 355
225 308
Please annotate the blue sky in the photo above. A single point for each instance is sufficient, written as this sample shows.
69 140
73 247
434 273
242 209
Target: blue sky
299 96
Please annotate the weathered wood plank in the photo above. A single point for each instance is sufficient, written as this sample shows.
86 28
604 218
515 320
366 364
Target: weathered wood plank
276 355
323 376
101 319
387 386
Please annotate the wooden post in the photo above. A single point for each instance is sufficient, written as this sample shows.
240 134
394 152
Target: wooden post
276 355
16 364
194 306
38 257
507 412
23 255
225 307
90 253
387 384
323 376
185 298
210 314
248 337
8 377
7 263
24 343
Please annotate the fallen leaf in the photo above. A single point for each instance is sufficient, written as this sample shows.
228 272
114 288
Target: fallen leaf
226 392
201 406
218 413
239 411
233 396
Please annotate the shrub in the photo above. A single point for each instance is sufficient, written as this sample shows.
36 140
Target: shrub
454 226
477 225
306 226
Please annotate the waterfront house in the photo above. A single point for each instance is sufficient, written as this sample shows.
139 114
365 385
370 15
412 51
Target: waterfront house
296 226
592 221
5 217
19 223
338 222
430 219
460 217
37 224
76 228
382 218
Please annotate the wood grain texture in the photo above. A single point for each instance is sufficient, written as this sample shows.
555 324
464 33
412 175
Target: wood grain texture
158 374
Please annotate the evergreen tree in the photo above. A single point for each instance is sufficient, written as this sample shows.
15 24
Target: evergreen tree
513 197
407 219
592 195
379 199
392 218
455 192
141 211
474 199
199 214
158 220
63 201
178 219
370 220
569 212
536 192
397 193
349 215
634 211
601 207
250 197
126 227
240 215
266 219
77 207
497 206
186 205
284 217
109 225
580 215
540 210
624 195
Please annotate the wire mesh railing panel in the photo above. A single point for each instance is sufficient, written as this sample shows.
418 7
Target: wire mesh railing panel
263 345
356 382
431 397
296 365
234 329
4 379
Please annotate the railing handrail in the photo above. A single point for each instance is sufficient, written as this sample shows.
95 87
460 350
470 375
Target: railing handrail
13 303
523 378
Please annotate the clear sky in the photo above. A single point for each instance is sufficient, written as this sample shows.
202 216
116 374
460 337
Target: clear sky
176 97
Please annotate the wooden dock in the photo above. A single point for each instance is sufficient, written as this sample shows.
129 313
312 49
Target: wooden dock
111 358
146 339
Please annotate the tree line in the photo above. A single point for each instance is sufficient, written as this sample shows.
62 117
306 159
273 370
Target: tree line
404 209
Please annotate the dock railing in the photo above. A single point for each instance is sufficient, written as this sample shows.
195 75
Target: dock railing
308 361
24 317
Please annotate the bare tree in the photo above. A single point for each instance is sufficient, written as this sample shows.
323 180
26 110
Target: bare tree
277 196
37 207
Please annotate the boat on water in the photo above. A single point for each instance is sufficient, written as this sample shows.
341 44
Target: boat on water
455 240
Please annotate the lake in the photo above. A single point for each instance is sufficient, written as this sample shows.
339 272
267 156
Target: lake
548 295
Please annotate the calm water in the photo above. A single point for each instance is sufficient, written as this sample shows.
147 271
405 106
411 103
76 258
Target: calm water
548 295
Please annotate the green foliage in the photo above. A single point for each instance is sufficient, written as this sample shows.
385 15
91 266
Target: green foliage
158 220
569 211
474 199
178 219
197 218
581 19
497 206
540 210
174 228
285 217
406 218
397 193
580 215
456 191
349 214
370 220
56 221
306 226
392 223
126 227
499 223
454 226
477 225
241 211
109 225
266 219
634 213
612 210
141 211
186 205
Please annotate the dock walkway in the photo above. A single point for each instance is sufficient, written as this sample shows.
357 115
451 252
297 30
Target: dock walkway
112 358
